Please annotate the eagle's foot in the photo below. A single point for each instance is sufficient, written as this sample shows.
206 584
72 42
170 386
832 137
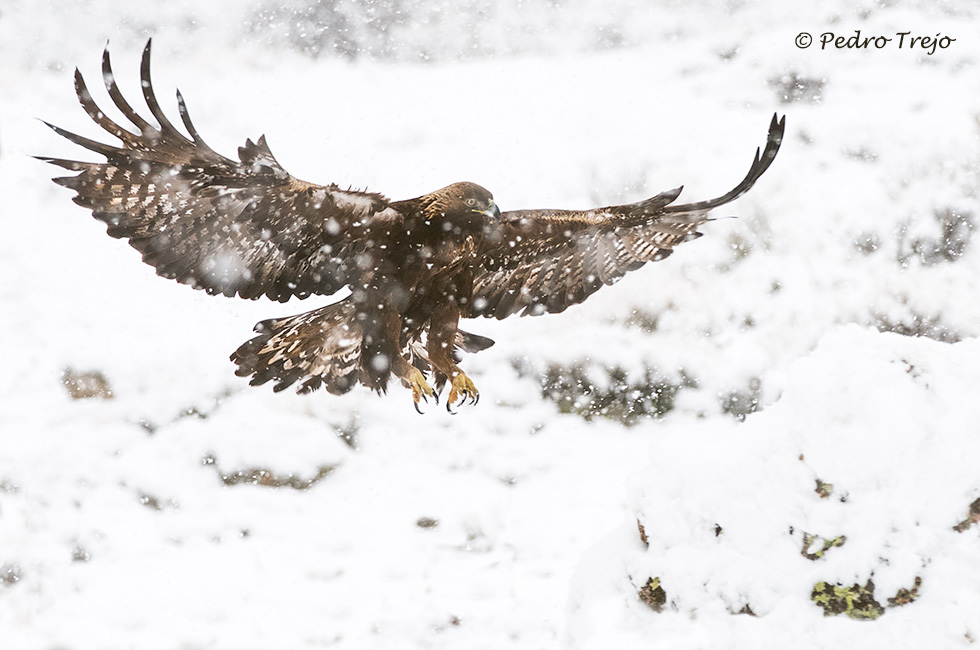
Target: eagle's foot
462 388
420 388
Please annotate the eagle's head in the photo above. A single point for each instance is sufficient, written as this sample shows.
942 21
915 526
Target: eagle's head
460 205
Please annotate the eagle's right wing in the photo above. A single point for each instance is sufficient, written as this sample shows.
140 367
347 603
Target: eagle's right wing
226 226
543 261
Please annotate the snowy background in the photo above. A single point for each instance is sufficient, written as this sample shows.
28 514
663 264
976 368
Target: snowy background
788 406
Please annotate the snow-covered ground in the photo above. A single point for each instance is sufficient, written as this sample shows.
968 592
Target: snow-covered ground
820 350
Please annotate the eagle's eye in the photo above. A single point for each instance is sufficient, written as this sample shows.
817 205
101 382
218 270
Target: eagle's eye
471 202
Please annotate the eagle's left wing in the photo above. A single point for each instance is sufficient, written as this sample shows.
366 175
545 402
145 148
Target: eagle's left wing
540 261
243 227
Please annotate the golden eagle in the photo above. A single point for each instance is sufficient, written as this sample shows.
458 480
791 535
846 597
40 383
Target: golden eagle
413 267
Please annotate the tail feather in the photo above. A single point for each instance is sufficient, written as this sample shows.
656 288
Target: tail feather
472 343
318 348
463 342
324 347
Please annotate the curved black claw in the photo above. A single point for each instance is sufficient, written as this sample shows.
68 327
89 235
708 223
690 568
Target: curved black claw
449 406
464 394
426 400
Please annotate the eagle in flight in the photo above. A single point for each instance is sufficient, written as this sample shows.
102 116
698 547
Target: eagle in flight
414 267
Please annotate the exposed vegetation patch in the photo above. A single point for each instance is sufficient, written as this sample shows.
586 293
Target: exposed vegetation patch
867 242
794 88
653 594
153 503
955 229
616 397
739 403
388 30
10 574
740 246
331 28
815 546
857 601
972 517
861 154
199 412
906 596
643 534
86 384
80 554
349 432
823 490
916 324
643 320
268 478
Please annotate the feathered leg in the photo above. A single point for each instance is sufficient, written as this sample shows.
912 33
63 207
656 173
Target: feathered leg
441 341
381 355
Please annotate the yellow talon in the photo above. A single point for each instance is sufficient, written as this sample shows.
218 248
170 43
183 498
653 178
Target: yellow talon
420 388
462 386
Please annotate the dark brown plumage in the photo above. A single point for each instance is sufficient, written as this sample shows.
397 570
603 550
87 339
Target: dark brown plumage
414 267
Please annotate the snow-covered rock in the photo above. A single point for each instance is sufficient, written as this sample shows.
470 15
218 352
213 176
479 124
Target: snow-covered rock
862 470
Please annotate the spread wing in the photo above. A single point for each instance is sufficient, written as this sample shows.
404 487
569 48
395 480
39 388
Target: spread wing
226 226
539 261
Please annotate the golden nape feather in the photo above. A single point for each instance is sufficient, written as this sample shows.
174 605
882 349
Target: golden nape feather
412 267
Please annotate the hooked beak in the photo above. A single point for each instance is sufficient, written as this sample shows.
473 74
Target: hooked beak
493 211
